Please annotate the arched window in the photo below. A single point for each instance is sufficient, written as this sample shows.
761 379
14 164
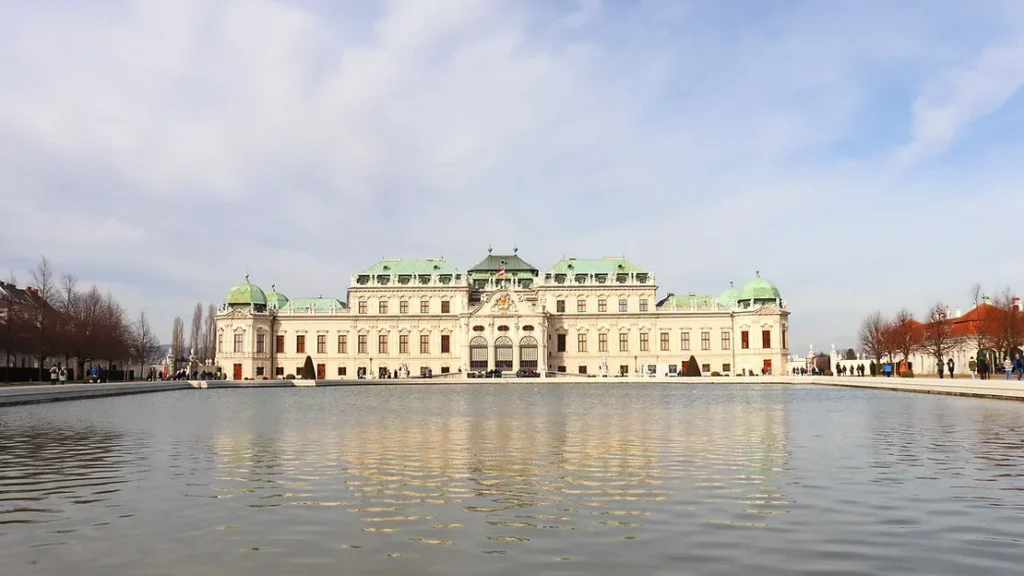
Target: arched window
503 354
528 353
478 353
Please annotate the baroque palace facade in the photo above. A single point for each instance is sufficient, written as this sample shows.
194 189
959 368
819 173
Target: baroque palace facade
583 316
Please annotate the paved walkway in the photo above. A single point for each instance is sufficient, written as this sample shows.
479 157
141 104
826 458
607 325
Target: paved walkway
994 388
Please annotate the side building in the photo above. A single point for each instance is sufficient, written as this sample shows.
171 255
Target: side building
598 316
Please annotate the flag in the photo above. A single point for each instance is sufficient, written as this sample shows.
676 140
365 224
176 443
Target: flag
501 272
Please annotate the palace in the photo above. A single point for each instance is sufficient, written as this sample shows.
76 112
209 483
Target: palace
596 316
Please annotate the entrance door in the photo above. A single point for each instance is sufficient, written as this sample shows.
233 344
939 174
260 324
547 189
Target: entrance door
321 371
767 366
237 372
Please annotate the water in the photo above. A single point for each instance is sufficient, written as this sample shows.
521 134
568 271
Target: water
513 479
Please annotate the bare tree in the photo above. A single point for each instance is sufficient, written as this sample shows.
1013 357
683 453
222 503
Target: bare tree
210 333
194 341
178 338
906 339
938 333
981 322
872 336
45 344
1007 328
145 345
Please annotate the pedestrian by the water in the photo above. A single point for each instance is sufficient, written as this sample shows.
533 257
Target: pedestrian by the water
941 368
972 365
1008 367
1018 365
53 375
63 376
950 364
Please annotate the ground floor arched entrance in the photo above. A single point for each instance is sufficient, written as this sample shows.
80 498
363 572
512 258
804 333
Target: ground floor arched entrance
528 357
478 353
503 354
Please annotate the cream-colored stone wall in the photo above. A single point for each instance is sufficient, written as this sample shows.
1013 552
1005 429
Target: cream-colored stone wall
512 313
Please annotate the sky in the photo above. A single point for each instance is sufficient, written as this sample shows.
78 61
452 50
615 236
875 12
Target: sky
861 155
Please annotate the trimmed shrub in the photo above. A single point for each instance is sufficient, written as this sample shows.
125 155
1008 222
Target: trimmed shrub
289 377
908 373
716 373
692 369
308 371
829 373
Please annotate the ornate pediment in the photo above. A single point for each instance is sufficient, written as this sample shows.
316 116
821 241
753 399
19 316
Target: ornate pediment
239 313
505 302
768 310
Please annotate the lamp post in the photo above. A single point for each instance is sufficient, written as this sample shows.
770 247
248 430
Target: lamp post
636 366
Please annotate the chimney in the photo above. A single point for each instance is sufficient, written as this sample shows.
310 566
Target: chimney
1016 304
957 314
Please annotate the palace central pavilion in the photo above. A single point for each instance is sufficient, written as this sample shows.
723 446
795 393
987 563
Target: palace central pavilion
597 316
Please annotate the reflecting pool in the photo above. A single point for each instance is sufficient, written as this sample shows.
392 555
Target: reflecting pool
513 479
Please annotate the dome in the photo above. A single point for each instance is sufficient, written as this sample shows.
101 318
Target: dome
759 289
729 296
246 294
275 299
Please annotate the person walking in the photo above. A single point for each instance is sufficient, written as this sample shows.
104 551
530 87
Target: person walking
972 365
53 375
1018 365
63 376
1008 366
950 364
941 369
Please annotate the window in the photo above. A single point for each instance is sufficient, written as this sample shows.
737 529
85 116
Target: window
623 305
382 344
705 367
726 340
361 344
424 343
300 344
342 371
623 369
342 344
726 368
561 343
259 370
279 345
581 342
362 306
403 343
705 340
382 307
446 369
581 305
664 341
745 340
643 304
602 305
766 338
321 343
424 306
279 371
220 344
561 368
602 342
644 344
446 341
239 342
684 341
784 338
623 341
560 306
581 370
261 345
403 307
446 306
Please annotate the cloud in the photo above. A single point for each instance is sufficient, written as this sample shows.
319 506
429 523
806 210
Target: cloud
961 97
167 147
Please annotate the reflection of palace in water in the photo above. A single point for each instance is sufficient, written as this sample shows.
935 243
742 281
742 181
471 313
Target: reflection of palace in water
559 442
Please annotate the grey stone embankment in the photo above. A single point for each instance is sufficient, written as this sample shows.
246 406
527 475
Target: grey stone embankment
995 388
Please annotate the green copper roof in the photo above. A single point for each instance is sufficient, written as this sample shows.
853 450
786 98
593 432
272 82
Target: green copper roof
410 267
686 301
511 263
275 299
318 304
610 265
759 289
729 296
245 294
